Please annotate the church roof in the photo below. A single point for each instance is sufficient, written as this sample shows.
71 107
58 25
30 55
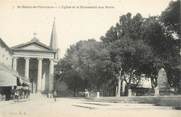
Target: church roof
3 44
33 45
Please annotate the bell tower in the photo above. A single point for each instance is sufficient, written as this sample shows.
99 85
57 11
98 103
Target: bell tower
54 41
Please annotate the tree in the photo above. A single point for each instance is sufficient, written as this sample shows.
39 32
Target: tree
71 77
128 51
164 48
171 17
172 21
88 62
141 45
133 46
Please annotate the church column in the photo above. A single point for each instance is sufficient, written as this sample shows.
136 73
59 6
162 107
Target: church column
14 63
27 67
39 74
51 76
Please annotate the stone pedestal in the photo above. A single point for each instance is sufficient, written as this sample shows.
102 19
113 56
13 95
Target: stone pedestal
87 94
98 95
129 92
157 92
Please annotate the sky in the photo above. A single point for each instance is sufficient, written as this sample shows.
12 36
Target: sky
19 20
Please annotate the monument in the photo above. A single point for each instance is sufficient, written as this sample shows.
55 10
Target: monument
163 87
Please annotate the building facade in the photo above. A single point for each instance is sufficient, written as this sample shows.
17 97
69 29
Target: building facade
35 61
8 78
5 55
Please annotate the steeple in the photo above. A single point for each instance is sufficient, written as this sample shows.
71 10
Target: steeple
53 41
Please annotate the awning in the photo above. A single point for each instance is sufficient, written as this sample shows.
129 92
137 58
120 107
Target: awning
7 79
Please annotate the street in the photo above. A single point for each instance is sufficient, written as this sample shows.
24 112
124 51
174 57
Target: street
40 106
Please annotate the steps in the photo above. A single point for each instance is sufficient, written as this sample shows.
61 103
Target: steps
120 106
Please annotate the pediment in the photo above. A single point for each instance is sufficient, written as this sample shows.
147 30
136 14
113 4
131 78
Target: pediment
33 47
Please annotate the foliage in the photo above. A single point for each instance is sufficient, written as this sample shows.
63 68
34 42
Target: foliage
135 45
87 61
171 17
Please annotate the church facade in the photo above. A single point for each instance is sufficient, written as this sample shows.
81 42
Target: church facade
35 61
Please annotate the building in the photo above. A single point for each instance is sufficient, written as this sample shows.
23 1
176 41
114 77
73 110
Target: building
35 61
8 77
32 62
5 55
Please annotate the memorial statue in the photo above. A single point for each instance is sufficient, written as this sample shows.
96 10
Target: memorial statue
162 83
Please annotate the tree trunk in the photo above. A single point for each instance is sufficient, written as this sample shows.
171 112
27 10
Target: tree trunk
119 87
74 91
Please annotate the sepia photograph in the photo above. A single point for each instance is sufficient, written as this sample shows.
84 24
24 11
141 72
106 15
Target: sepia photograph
90 58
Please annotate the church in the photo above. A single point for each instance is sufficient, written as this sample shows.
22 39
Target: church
35 61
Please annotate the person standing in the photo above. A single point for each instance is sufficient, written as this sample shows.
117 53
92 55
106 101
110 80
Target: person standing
16 95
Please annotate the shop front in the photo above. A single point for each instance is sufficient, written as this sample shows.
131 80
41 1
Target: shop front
10 82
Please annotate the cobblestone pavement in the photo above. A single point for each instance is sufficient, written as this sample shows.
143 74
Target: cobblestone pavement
40 106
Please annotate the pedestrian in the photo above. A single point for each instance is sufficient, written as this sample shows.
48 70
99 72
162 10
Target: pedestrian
16 95
55 95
